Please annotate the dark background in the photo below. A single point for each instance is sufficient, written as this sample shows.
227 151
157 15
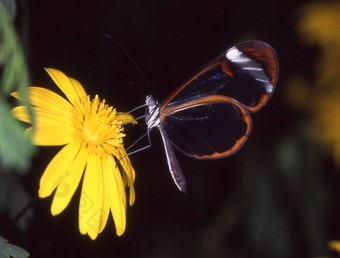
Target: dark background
247 205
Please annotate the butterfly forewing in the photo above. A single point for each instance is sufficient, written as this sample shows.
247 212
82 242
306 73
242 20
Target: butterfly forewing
208 127
265 54
255 69
246 73
208 81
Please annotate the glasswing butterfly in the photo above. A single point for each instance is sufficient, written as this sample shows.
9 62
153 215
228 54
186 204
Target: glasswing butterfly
208 117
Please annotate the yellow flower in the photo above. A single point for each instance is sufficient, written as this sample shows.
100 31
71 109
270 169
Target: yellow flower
319 24
92 135
334 245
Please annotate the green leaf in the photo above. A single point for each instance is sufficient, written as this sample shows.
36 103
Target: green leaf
11 7
11 55
15 146
9 250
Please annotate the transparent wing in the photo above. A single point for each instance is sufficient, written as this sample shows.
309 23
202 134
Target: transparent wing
209 127
247 72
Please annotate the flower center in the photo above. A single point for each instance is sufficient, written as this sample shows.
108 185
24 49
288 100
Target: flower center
96 127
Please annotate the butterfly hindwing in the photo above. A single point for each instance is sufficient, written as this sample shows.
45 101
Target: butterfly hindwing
209 127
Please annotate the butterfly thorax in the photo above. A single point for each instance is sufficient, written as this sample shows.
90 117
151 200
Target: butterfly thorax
152 118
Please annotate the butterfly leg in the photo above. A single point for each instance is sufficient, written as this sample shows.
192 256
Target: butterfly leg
140 149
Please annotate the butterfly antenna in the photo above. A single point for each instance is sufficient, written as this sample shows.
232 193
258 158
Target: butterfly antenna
131 59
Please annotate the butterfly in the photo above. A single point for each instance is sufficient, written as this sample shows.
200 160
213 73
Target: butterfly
208 116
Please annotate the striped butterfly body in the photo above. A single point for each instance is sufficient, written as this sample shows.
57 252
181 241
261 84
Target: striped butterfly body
208 117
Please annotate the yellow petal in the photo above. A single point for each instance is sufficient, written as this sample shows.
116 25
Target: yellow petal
21 114
50 129
91 199
71 88
50 136
126 166
117 196
105 192
69 184
55 172
43 117
104 206
126 118
104 214
80 90
132 195
119 180
47 100
129 173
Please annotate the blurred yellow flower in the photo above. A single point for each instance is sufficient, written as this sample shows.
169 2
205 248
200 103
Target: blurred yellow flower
92 135
319 25
334 245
